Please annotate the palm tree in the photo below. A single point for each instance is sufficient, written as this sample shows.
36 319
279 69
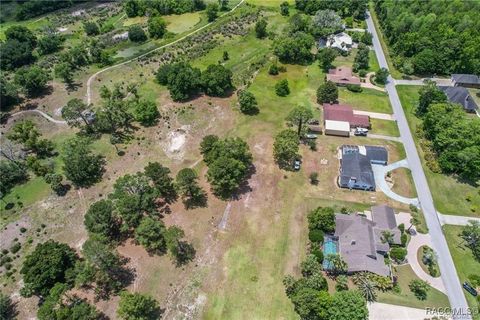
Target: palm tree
387 237
367 288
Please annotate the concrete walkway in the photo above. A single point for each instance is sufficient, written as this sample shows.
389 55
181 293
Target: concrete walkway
375 115
381 171
383 311
455 220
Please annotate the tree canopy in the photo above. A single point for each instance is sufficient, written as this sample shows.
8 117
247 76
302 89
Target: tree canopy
137 306
217 80
247 101
327 92
181 79
80 165
322 218
295 48
228 161
49 263
285 148
326 22
157 27
452 48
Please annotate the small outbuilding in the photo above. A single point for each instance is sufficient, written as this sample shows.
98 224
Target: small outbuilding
337 128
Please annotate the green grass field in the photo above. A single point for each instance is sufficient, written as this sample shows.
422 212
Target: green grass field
406 298
32 24
385 127
182 23
367 100
454 201
463 258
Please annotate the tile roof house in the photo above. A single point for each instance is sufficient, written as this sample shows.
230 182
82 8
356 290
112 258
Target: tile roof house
360 240
466 80
356 166
341 112
342 76
461 96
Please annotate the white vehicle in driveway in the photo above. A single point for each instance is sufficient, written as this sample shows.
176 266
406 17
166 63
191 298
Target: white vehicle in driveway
360 132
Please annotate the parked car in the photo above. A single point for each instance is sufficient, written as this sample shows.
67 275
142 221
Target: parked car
360 132
470 289
311 136
296 165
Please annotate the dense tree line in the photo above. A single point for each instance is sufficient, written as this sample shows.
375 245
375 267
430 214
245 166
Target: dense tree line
452 48
134 8
346 8
32 8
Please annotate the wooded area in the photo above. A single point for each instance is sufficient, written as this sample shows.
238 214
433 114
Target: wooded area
432 37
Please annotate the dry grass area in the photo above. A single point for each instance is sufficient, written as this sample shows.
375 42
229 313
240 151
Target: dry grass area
403 183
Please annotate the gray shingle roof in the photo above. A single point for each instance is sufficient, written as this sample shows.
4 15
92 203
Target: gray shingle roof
357 166
357 244
378 154
461 96
465 78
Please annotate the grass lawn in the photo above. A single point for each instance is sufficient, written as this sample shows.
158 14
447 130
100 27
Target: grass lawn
385 127
454 201
348 60
367 100
406 298
393 71
32 24
28 193
464 261
183 22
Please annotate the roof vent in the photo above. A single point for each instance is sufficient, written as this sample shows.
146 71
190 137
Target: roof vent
353 242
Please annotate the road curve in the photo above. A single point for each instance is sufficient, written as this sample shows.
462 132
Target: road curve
447 267
90 80
41 113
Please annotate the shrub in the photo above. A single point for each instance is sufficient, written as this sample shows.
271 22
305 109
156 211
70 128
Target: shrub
318 253
273 70
362 73
404 239
16 247
136 34
354 87
401 227
398 254
23 230
474 280
313 178
281 88
315 236
419 288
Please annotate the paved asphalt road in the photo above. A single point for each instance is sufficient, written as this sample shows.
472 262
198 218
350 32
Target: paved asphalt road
447 268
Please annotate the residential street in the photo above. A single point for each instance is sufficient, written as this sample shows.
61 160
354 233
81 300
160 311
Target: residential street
449 275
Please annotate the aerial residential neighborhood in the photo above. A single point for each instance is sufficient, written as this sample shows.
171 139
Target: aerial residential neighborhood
240 159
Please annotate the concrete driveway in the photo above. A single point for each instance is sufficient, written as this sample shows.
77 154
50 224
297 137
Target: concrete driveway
380 172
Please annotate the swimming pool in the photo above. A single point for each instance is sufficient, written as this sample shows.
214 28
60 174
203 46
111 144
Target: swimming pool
329 247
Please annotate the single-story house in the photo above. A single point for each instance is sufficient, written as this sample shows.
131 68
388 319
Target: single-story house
342 76
341 41
360 240
337 128
356 166
342 112
466 80
461 96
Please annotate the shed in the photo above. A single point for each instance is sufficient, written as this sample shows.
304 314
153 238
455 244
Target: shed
337 128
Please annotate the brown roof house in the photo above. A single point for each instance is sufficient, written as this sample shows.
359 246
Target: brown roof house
342 76
341 112
360 240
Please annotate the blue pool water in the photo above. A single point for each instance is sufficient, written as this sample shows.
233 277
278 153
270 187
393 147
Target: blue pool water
329 247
